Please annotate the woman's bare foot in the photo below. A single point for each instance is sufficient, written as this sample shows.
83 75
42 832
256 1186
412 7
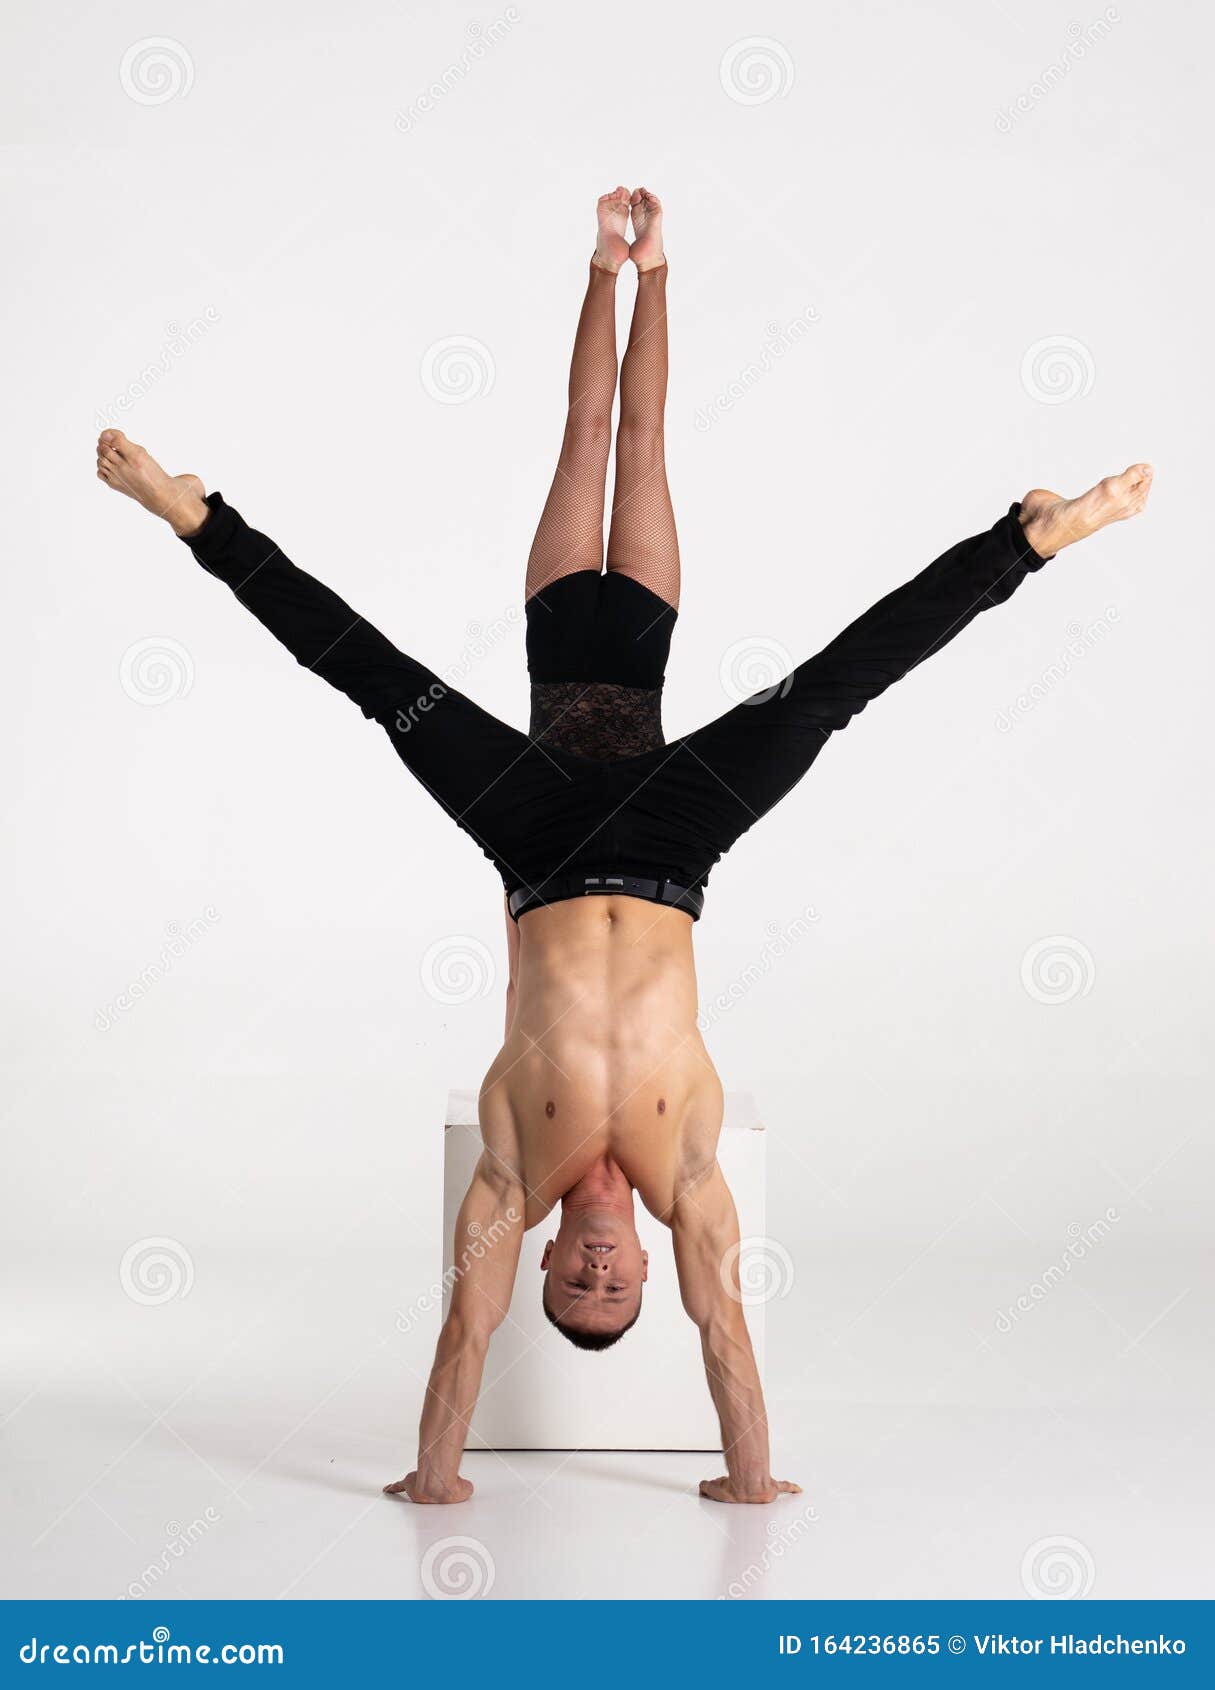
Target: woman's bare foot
130 470
646 250
612 247
1052 522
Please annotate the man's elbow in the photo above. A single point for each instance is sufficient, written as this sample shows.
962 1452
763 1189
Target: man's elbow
467 1330
723 1328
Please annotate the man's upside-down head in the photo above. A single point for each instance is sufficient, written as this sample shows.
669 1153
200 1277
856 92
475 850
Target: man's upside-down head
593 1273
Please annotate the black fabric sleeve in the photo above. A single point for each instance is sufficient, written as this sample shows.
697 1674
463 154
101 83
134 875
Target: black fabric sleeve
762 747
318 628
910 624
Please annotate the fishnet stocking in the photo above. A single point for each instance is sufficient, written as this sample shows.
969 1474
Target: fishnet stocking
642 541
570 535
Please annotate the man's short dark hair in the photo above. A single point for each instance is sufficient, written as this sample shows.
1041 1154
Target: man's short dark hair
582 1339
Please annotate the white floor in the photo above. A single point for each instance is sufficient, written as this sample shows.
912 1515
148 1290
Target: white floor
232 1443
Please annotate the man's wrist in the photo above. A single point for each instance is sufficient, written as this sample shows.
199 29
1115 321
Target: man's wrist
436 1482
749 1475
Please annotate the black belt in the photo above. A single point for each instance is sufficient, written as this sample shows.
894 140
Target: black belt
558 887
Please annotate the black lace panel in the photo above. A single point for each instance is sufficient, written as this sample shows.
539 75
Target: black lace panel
596 718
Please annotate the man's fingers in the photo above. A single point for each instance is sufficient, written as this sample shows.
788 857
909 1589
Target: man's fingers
788 1485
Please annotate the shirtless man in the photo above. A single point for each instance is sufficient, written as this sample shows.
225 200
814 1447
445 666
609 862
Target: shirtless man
604 834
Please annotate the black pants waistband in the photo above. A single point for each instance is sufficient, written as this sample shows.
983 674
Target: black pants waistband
560 887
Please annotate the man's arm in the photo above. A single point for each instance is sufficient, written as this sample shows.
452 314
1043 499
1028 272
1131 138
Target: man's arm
489 1231
704 1226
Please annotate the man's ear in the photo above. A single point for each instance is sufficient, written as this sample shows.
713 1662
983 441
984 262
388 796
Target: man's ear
645 1266
544 1260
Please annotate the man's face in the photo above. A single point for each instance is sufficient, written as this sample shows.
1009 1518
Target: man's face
596 1268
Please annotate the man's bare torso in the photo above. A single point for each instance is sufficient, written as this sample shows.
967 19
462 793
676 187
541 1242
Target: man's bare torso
604 1056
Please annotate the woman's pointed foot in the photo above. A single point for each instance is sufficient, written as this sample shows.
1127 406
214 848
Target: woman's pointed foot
129 469
1052 522
612 214
646 251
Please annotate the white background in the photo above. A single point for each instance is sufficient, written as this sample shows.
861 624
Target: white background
272 1105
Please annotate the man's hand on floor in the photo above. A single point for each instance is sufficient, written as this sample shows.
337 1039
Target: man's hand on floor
739 1490
430 1490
